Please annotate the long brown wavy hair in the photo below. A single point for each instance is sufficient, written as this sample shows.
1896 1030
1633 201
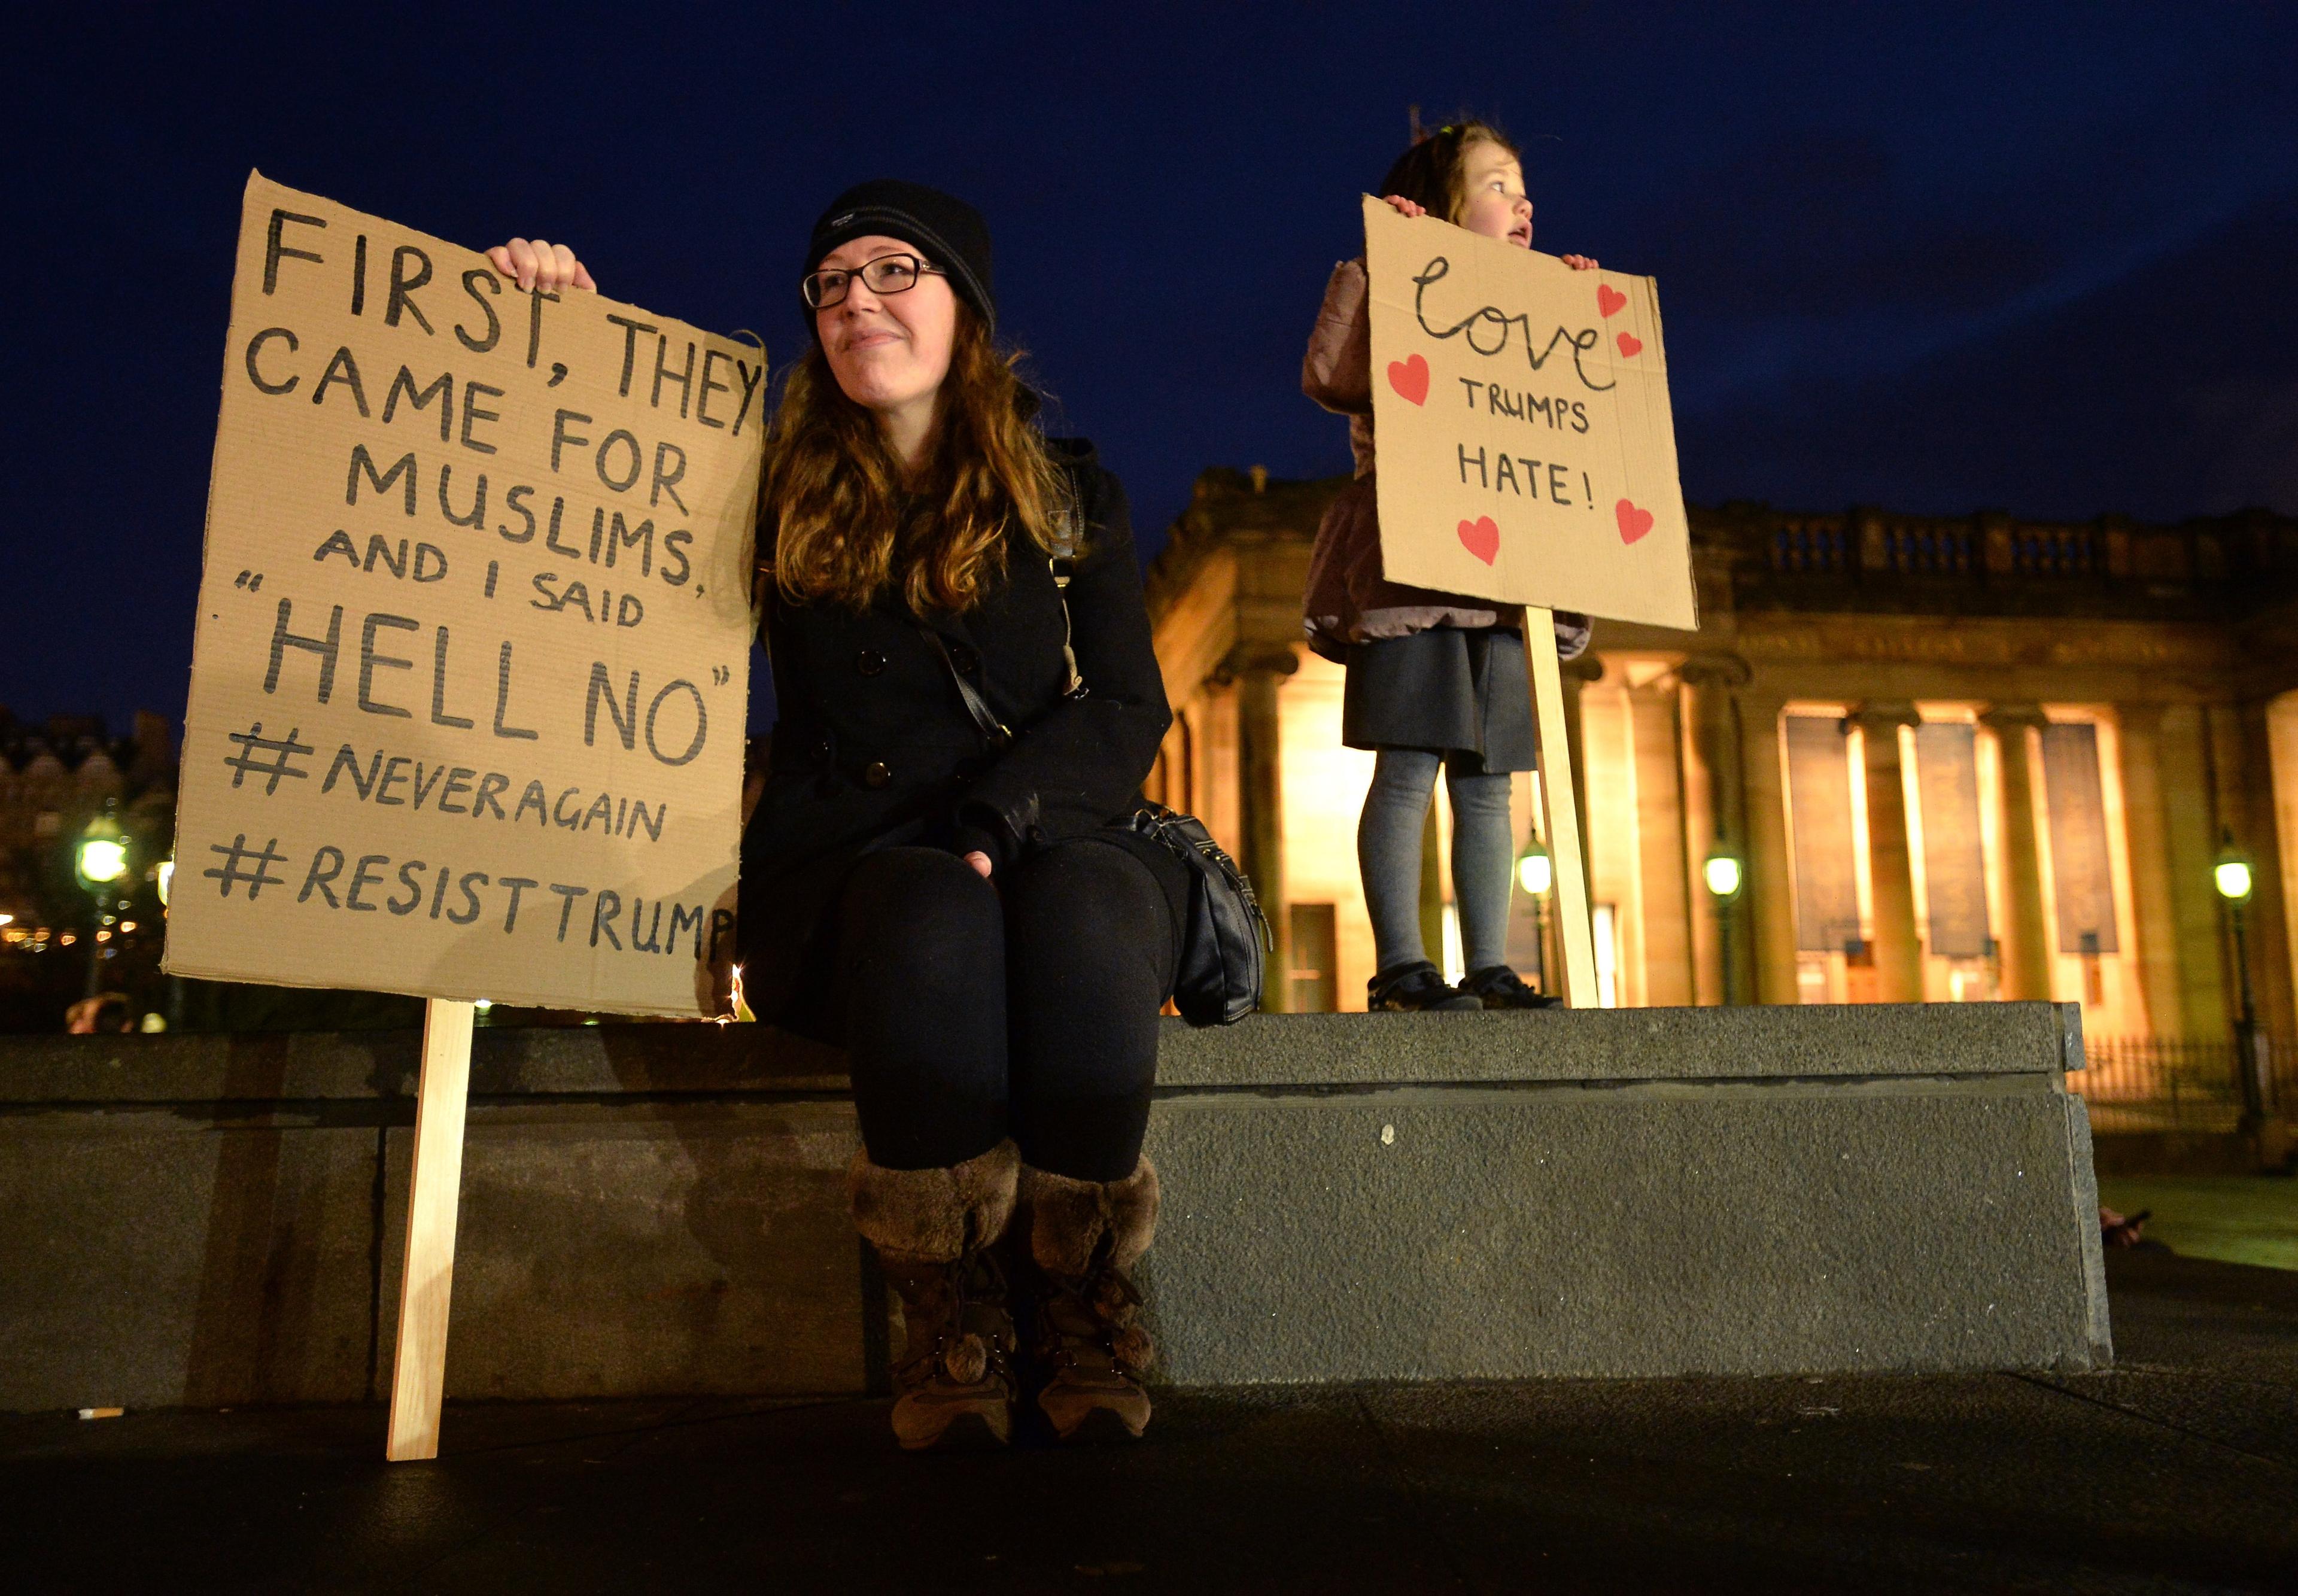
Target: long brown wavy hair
1433 174
839 522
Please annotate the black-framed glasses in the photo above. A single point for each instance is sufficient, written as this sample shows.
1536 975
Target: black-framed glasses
887 274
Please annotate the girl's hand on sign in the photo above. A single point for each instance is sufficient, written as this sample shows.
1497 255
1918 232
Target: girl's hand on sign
1404 207
1578 262
980 861
537 263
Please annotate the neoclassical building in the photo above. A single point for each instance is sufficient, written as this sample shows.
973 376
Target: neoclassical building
1959 759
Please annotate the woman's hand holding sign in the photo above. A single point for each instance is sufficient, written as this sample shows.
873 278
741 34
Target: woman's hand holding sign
536 263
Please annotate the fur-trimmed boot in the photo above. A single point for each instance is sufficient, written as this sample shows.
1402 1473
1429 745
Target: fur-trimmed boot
936 1232
1085 1236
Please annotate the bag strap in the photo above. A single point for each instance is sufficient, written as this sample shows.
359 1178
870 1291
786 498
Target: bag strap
1062 563
994 731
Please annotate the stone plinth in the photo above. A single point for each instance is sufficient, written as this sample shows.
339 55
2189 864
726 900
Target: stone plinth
657 1208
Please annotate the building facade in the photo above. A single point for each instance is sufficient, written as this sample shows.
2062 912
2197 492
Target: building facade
1957 759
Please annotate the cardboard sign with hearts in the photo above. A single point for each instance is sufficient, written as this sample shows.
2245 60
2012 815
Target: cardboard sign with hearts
1527 449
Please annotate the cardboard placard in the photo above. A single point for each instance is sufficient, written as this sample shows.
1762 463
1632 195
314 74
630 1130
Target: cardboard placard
471 672
1527 452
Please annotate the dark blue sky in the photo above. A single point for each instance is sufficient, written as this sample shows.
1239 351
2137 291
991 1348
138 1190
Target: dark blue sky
1938 258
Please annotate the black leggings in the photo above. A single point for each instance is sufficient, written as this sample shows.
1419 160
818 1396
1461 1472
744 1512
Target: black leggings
970 1011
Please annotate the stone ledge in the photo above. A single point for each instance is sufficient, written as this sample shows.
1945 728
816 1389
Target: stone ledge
657 1208
1878 1040
1690 1044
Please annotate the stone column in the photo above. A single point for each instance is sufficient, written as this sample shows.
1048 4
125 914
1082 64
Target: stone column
1260 792
1770 893
2249 767
1702 826
2146 832
1575 674
2027 950
2190 825
1666 911
1715 805
1891 870
1431 881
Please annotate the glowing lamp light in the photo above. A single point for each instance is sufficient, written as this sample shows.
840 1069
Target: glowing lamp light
100 858
103 859
1534 873
165 878
1723 874
2232 879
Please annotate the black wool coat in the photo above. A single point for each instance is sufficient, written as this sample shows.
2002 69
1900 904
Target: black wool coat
874 745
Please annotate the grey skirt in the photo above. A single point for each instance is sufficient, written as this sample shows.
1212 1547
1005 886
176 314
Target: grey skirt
1448 689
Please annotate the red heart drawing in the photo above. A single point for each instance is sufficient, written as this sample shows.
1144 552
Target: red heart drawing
1410 379
1608 300
1482 537
1629 344
1633 522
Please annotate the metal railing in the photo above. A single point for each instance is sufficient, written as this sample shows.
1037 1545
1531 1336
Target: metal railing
2175 1083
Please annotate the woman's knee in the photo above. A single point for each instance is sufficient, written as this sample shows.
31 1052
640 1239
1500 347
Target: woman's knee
916 892
1085 902
913 913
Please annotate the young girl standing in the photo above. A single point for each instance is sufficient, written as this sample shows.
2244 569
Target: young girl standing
1434 679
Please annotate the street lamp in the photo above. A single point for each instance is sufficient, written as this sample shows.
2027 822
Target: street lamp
1535 872
2232 877
99 861
1724 876
103 855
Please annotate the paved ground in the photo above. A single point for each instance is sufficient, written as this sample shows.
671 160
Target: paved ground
2176 1473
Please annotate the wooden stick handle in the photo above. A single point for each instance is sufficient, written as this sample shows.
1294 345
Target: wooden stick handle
1563 814
419 1374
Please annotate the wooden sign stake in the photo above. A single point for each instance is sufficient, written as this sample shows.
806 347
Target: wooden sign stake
1563 814
419 1374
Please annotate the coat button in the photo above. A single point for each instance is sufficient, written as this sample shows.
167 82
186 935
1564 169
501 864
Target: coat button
822 750
966 658
876 774
869 662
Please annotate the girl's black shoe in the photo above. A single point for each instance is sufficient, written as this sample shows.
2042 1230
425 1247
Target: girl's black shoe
1498 987
1410 987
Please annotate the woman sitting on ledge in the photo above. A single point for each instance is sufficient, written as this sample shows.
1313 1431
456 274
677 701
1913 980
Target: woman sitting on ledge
956 903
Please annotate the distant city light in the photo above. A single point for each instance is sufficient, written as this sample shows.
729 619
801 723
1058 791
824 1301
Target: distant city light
165 879
2233 879
1722 874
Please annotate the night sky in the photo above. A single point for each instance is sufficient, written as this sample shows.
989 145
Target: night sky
1936 258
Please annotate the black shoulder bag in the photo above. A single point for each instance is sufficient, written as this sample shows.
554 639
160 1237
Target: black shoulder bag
1224 937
